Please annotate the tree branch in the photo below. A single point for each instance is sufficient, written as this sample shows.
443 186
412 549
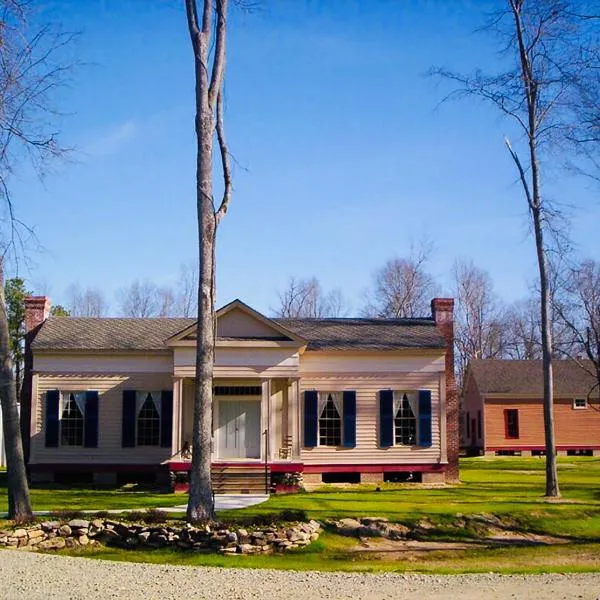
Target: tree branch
220 213
218 68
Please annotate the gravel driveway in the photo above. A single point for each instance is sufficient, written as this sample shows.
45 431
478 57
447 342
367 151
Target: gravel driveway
38 576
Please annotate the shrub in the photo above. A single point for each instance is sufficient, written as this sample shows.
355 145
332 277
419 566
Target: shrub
65 514
150 516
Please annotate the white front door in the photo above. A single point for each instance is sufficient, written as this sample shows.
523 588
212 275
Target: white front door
239 428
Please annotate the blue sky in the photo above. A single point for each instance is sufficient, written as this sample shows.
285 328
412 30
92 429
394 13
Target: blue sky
345 153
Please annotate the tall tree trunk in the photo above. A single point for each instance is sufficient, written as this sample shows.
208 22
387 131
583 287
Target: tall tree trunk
545 307
534 201
200 503
552 489
19 504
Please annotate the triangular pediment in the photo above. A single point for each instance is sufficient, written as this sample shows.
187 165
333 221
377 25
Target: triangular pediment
238 321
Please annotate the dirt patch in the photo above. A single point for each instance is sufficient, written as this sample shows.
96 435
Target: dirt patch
407 549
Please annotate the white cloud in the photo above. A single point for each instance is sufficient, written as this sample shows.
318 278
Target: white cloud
112 140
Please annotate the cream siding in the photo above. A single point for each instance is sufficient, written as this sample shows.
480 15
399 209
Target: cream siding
238 323
367 450
103 363
241 362
372 362
109 450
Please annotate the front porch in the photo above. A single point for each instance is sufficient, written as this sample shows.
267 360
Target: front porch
255 431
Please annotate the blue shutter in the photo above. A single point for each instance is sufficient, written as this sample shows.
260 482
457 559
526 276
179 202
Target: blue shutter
52 402
424 418
166 419
311 407
129 417
90 423
349 430
386 418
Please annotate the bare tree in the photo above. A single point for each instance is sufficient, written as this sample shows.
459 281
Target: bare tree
32 66
209 70
579 310
479 326
584 134
305 298
523 330
86 303
403 286
166 302
543 44
186 296
140 299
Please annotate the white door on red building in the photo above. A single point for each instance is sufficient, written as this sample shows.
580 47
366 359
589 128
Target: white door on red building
238 434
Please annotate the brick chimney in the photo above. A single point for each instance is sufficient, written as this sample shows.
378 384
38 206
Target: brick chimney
37 310
442 311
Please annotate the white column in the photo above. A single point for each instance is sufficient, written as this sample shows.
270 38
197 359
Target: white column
294 415
265 419
177 415
272 425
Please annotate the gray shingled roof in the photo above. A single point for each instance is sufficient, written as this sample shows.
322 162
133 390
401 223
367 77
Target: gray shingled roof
526 377
365 334
87 333
79 333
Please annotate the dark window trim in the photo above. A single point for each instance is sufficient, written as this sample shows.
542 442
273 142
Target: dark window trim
511 429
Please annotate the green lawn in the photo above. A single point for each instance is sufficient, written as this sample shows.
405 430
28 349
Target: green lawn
46 497
499 486
503 487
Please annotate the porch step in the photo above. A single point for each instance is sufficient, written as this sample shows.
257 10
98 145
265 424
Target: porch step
238 480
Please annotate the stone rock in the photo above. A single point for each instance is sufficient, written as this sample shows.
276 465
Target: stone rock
35 533
65 531
158 540
232 537
53 544
245 548
50 525
83 540
242 536
79 524
71 542
20 533
398 531
110 534
144 536
35 541
373 520
347 527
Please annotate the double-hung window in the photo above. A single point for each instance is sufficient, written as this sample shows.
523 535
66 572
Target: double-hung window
405 418
330 413
511 423
148 418
72 418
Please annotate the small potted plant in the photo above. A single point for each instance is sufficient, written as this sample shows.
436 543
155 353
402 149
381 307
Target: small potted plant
289 483
180 482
